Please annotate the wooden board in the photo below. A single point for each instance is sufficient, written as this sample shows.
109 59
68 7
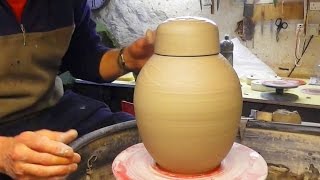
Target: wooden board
292 10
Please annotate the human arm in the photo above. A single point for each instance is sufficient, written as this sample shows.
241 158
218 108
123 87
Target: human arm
88 59
38 155
134 57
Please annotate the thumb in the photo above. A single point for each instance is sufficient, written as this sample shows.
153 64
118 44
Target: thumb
64 137
143 47
150 36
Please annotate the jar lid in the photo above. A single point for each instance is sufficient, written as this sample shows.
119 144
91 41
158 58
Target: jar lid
187 36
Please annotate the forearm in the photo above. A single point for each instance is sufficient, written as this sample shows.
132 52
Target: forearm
134 57
110 67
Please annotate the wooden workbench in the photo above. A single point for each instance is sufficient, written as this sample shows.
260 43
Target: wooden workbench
304 100
307 105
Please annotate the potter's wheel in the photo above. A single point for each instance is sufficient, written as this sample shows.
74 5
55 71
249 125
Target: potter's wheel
280 86
242 163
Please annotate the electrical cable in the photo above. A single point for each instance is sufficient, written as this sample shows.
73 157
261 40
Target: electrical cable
297 61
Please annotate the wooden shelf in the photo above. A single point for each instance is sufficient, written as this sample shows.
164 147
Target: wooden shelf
290 10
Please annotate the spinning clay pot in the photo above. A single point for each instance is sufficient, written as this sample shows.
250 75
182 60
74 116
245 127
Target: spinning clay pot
187 98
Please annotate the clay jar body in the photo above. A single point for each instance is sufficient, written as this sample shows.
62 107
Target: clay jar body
187 98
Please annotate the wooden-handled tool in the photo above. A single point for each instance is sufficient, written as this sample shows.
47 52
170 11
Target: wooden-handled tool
212 6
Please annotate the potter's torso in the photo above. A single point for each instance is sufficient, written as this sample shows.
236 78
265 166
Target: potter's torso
31 54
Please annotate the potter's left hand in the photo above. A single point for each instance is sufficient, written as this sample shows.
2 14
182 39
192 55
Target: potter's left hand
137 54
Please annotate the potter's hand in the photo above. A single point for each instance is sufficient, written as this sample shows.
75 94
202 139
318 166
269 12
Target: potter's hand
38 155
137 54
134 57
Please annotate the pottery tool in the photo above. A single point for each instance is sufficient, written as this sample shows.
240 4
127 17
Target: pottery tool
248 24
248 28
262 20
200 4
275 3
211 4
282 4
135 163
280 25
248 9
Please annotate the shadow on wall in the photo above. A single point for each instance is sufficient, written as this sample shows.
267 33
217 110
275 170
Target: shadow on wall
106 36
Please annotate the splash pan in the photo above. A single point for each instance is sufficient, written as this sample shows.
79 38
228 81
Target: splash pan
242 163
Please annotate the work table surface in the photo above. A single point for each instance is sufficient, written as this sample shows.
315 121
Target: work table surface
304 100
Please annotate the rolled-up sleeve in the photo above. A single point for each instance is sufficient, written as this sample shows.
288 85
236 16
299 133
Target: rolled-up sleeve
85 52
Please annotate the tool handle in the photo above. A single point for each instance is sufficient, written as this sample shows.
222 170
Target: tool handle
278 22
212 6
284 25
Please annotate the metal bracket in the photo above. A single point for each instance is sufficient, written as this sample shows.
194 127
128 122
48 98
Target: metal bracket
90 162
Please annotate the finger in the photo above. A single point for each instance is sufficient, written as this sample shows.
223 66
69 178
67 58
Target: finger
150 36
41 143
145 42
30 156
64 137
141 49
46 171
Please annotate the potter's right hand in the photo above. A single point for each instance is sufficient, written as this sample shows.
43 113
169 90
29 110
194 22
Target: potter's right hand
38 155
